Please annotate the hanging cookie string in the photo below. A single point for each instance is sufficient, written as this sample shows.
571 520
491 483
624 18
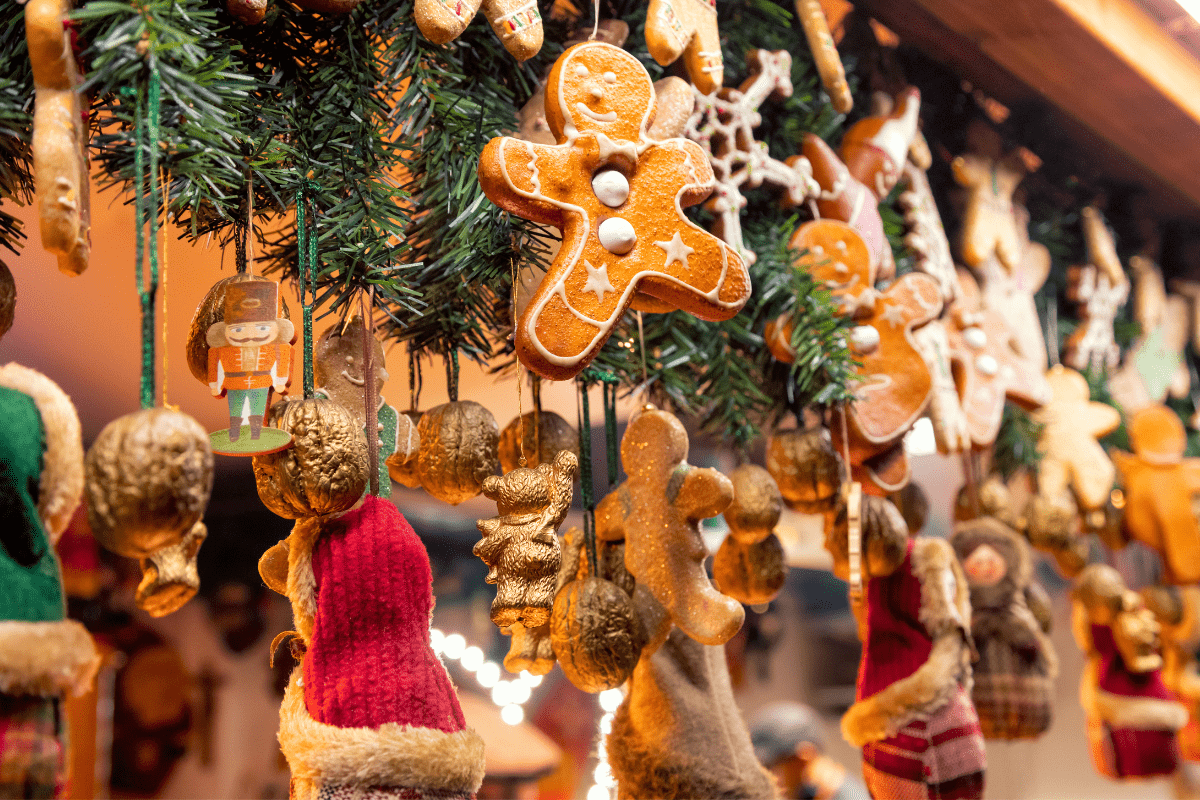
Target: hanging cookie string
452 375
306 246
367 303
609 384
146 141
166 348
585 473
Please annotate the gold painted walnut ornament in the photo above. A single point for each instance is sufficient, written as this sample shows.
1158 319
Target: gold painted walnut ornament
402 464
807 470
544 435
594 634
324 471
458 452
751 573
520 545
169 576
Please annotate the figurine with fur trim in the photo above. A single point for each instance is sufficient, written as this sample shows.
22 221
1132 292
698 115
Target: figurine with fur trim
43 655
1132 717
1177 611
1014 676
913 716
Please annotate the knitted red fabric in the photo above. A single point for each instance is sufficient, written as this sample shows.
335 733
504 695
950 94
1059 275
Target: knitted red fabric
369 660
897 643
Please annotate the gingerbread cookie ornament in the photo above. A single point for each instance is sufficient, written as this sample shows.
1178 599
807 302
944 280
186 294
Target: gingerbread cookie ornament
516 23
687 28
1072 458
618 198
825 54
926 236
1011 292
1100 288
1160 487
951 431
1154 366
990 177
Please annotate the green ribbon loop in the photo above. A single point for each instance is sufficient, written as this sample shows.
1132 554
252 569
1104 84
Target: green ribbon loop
146 140
306 245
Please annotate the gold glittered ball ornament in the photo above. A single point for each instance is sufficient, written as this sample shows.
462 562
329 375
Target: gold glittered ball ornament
324 471
402 464
545 435
593 634
212 310
807 469
459 443
757 504
147 477
750 573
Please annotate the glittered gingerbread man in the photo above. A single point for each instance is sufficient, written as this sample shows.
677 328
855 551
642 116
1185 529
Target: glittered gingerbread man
618 198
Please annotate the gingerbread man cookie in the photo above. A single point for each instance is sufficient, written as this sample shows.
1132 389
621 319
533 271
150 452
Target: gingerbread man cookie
1160 490
687 28
1100 288
723 124
1154 365
618 198
875 149
1011 292
60 138
516 23
990 369
1071 455
990 178
844 198
657 511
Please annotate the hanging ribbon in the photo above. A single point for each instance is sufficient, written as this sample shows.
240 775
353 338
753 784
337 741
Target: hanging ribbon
370 394
585 474
452 375
306 245
146 135
609 385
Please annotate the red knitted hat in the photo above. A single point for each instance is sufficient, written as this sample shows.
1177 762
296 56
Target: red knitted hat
369 661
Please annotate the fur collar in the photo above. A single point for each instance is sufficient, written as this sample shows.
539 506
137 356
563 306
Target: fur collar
1141 713
46 659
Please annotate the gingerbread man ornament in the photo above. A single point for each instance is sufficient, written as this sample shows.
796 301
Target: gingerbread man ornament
990 178
990 368
1155 365
1160 490
657 511
1100 288
1071 455
618 198
687 28
516 23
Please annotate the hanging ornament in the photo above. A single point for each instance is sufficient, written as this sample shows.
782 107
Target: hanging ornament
1100 289
368 680
520 545
402 464
723 125
643 243
324 472
459 443
687 28
1177 611
657 511
8 298
875 149
1160 486
951 429
989 227
44 657
516 23
249 356
60 136
807 470
149 475
594 635
1014 675
531 649
825 55
749 565
537 436
339 370
913 715
1154 365
1132 718
926 235
209 312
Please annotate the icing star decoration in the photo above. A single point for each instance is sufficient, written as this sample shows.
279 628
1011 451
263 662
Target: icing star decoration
1071 455
676 250
597 281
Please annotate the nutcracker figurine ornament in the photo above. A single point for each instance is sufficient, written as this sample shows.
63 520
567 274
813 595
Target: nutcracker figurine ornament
250 354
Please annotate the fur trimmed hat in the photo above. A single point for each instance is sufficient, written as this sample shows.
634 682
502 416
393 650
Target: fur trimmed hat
371 706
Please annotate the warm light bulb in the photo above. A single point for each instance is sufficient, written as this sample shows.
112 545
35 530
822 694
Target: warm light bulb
606 723
501 693
454 645
436 638
1192 7
597 793
472 658
519 692
488 674
610 699
512 714
534 681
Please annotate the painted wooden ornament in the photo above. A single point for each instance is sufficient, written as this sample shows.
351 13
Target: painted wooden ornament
326 471
516 23
210 311
1100 288
657 511
1160 490
807 471
249 356
990 177
459 450
339 373
539 437
1132 718
687 28
1177 611
599 103
520 545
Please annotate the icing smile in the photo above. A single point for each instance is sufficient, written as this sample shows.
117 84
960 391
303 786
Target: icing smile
582 108
355 381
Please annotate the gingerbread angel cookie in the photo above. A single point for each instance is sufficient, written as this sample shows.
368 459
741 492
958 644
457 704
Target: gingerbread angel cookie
618 198
1072 458
60 138
989 367
846 199
687 28
1160 490
1100 288
723 124
990 177
516 23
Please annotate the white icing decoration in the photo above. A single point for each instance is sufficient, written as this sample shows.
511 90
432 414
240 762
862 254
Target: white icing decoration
611 187
893 314
840 268
841 246
608 148
617 235
607 116
987 364
597 280
864 339
610 77
975 338
817 250
676 250
581 71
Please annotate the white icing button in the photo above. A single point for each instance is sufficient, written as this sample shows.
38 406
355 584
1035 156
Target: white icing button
987 365
617 235
817 250
840 245
610 77
611 187
864 338
581 70
840 268
975 338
